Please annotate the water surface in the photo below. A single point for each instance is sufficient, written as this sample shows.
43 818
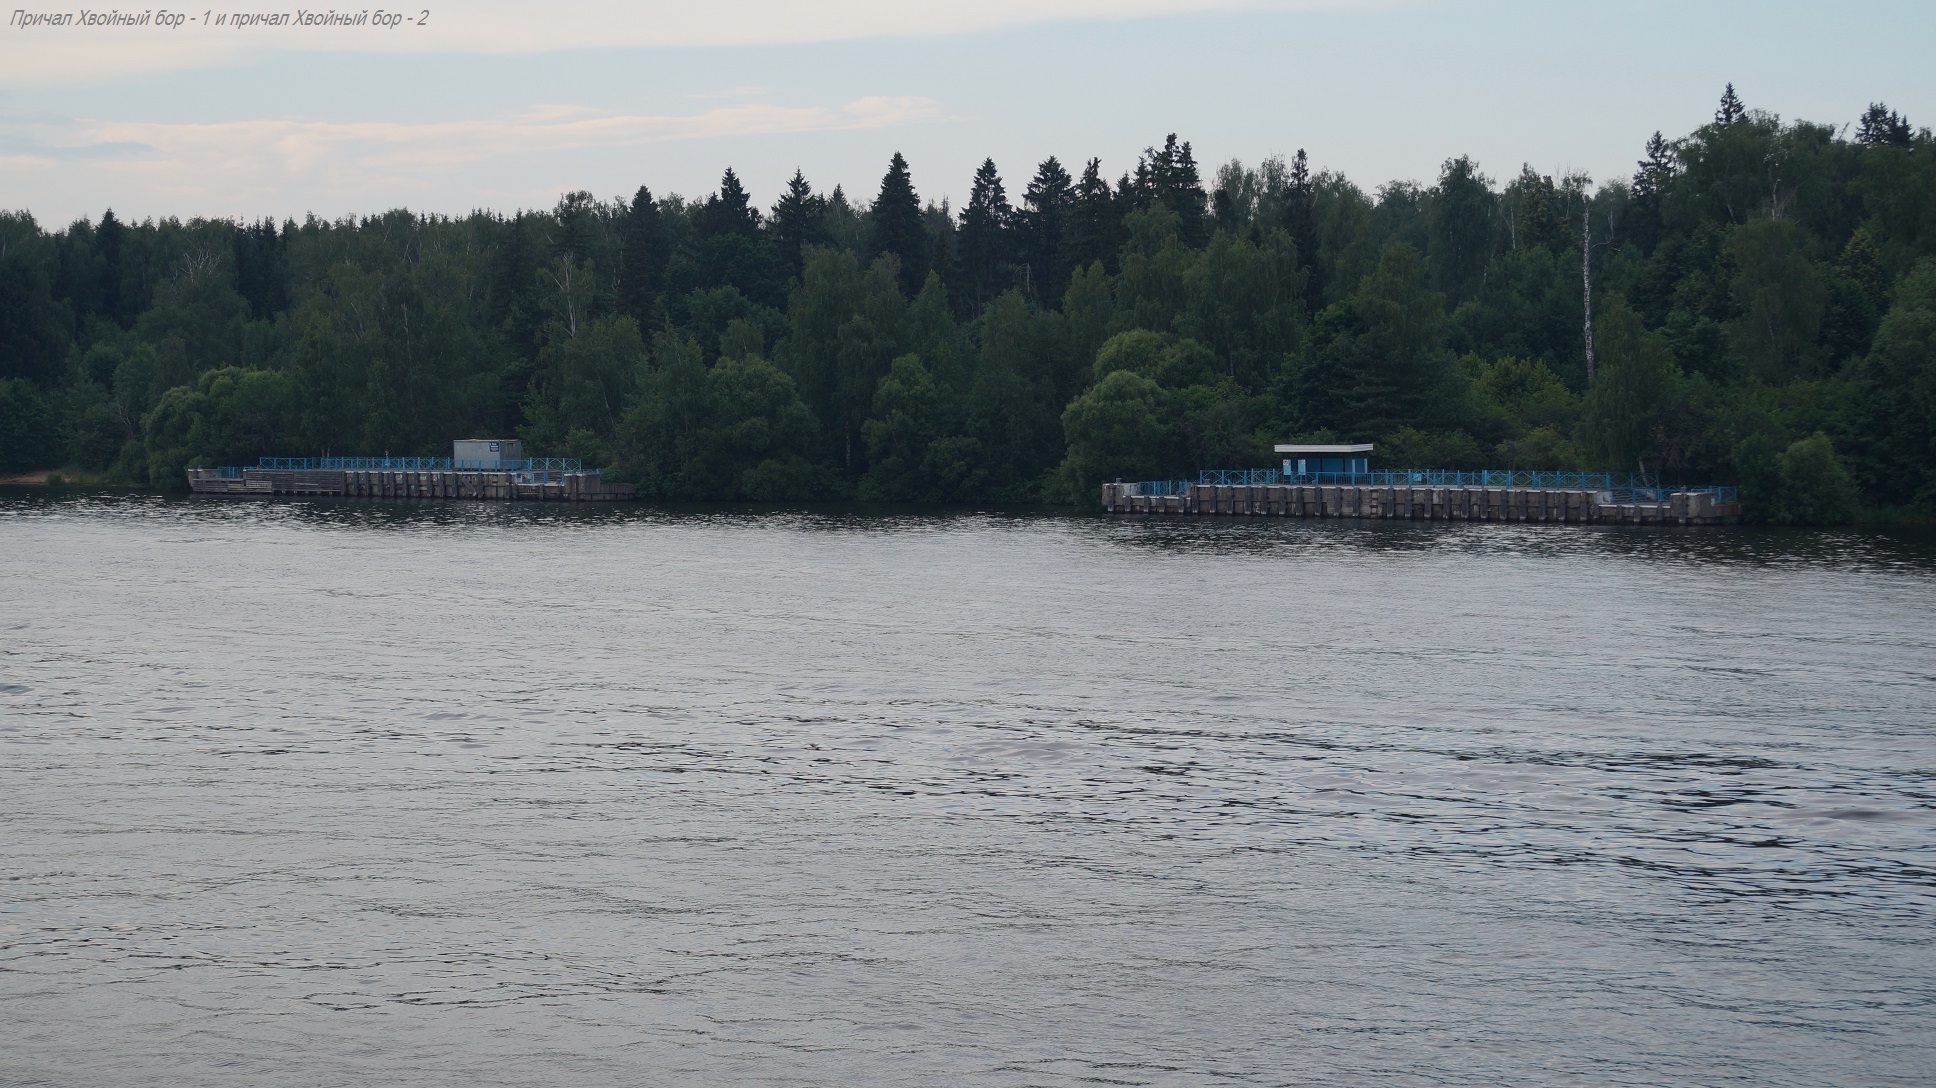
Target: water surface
469 794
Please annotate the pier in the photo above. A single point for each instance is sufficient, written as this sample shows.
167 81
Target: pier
1336 480
1553 505
478 471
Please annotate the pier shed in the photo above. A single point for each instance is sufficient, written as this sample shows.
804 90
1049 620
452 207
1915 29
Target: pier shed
485 454
1308 459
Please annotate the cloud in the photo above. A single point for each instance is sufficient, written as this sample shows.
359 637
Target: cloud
65 55
244 159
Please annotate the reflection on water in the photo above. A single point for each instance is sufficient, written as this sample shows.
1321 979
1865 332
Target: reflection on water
484 794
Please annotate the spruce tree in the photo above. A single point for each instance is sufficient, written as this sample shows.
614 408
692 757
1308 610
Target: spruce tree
986 226
1095 218
798 222
1186 196
1300 222
262 268
107 242
1044 221
511 284
1731 109
729 211
1170 177
894 225
1883 127
644 249
1650 181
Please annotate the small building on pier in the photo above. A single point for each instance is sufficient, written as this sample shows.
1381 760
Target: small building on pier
485 454
1311 458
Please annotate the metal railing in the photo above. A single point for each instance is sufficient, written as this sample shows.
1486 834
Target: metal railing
1239 477
1485 477
1628 496
1619 488
527 464
544 465
353 464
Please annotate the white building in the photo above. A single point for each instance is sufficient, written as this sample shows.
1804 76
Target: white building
486 454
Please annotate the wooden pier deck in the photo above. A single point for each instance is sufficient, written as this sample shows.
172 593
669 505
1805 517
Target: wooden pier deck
1512 504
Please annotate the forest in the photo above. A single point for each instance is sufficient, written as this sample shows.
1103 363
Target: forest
1755 305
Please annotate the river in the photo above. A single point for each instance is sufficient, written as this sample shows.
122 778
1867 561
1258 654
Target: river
474 794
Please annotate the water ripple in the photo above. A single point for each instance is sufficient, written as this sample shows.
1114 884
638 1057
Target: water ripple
489 795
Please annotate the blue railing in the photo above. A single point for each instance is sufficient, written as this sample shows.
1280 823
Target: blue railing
1239 477
1485 477
1618 487
419 464
1430 477
526 465
354 464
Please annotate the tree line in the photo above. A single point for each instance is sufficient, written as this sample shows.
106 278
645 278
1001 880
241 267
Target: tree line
1761 297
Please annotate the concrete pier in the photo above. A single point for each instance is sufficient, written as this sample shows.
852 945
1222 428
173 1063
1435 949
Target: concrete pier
1520 504
446 484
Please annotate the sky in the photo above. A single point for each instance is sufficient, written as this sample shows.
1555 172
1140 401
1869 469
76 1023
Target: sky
498 105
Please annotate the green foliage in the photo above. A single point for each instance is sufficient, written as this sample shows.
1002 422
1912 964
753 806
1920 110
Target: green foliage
1409 446
1170 362
1244 301
1022 372
1804 484
1527 308
911 456
1089 306
118 382
1150 292
31 336
29 435
230 416
1378 361
733 431
1780 297
1527 392
1625 408
1898 403
1217 425
1463 207
196 321
581 387
1118 429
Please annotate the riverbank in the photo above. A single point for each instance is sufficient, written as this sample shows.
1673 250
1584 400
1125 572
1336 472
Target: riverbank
69 476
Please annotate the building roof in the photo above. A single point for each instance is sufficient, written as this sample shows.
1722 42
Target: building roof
1325 447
